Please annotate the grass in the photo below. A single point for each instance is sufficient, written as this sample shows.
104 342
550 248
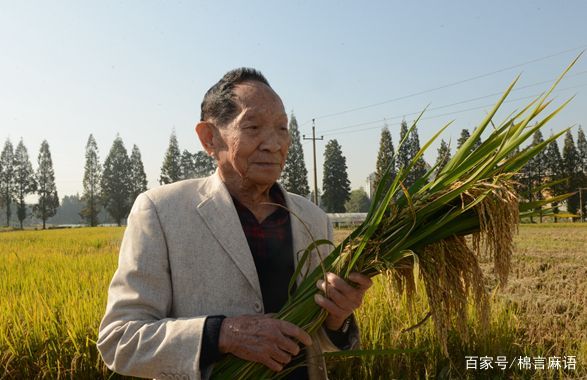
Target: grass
53 287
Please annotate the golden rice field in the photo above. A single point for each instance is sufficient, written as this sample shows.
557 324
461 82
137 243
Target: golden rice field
53 292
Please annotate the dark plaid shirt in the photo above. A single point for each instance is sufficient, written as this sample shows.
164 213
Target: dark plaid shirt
271 245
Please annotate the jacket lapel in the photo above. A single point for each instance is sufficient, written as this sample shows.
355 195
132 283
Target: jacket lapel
301 236
218 212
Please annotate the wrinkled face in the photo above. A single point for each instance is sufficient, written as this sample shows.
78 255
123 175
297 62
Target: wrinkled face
254 145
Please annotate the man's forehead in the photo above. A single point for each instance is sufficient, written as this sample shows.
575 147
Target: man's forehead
254 111
256 97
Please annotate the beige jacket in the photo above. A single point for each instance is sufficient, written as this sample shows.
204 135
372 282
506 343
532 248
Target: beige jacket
184 256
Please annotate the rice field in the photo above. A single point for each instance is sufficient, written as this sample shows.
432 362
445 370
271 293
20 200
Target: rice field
53 293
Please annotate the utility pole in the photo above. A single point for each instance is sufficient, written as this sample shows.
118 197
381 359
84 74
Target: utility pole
313 138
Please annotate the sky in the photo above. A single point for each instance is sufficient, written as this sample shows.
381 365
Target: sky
139 69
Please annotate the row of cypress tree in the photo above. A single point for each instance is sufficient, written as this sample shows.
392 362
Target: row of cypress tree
18 180
113 185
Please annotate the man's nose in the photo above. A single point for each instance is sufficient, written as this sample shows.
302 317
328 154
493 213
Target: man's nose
273 141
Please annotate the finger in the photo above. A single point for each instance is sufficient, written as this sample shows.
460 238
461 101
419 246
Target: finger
286 344
338 283
332 308
347 302
272 364
346 296
293 331
363 281
280 356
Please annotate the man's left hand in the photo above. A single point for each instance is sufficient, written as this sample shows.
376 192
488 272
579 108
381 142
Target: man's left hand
342 298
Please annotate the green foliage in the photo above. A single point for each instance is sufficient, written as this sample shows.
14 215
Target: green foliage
407 151
443 156
533 174
582 150
554 172
294 176
171 169
48 201
571 167
138 178
24 180
116 182
336 186
7 183
403 158
92 179
197 165
204 164
419 167
463 137
358 201
69 211
385 157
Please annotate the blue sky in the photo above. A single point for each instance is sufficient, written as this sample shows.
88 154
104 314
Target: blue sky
140 69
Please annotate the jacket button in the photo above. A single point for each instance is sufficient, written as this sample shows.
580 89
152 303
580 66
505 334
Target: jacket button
258 307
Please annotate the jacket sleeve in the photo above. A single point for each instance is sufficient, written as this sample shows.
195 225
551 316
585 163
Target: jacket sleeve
137 337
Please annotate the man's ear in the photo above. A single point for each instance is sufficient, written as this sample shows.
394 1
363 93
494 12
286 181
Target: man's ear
205 131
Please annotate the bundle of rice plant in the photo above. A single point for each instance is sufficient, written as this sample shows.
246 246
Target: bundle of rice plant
425 226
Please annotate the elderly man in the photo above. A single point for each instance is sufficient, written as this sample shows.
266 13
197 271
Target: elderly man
205 262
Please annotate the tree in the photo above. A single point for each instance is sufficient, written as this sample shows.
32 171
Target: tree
554 172
358 201
48 202
335 182
187 165
419 168
443 156
294 176
533 174
204 165
171 169
403 150
24 180
571 170
138 178
69 211
463 137
92 178
116 182
582 150
7 183
385 157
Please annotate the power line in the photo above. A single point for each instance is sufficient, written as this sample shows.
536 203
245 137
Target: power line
452 113
446 105
446 85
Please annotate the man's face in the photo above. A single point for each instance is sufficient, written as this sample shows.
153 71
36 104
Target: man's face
254 145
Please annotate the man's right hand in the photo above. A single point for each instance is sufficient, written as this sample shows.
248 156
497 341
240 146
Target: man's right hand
262 339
